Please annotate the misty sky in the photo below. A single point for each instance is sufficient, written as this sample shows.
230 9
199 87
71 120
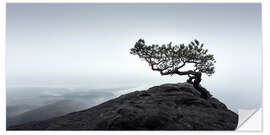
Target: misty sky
88 45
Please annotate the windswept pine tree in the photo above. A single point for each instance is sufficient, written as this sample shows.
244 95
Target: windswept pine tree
170 59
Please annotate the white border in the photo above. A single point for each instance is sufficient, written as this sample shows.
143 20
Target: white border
130 1
266 67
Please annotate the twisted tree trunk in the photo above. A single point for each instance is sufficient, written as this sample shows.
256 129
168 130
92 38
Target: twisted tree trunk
196 83
195 79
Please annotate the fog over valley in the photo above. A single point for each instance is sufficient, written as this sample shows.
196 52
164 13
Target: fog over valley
38 102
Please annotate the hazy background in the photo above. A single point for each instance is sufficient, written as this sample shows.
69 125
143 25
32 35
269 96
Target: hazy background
80 52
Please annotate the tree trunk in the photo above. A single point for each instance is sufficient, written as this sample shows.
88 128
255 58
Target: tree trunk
190 79
197 77
196 84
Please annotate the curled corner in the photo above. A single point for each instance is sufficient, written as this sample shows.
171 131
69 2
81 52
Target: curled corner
249 120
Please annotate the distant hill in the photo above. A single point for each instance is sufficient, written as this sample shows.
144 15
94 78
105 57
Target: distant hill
45 112
166 107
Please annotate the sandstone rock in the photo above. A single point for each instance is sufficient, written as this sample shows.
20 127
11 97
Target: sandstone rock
166 107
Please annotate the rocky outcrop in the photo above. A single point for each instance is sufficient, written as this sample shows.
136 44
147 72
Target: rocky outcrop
166 107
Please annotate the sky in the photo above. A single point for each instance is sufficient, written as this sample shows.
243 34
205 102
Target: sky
83 44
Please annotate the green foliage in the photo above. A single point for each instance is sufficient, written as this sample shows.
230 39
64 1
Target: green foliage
168 58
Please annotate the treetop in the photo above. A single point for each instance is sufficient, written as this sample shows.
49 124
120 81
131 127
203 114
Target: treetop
168 58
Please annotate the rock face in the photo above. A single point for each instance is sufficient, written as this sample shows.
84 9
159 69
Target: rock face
165 107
